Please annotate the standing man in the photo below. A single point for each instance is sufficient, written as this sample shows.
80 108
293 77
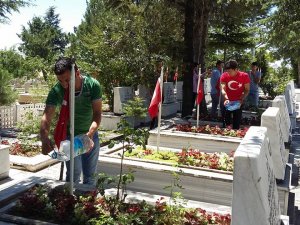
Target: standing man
235 88
88 104
196 76
255 76
215 88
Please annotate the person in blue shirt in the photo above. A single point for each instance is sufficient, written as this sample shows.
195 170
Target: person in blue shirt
255 76
215 88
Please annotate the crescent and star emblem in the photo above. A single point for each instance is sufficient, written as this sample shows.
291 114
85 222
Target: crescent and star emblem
233 85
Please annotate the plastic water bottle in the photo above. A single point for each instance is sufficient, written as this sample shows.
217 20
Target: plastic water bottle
82 144
233 105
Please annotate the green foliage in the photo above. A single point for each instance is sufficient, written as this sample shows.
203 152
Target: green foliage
13 62
7 7
120 47
284 28
274 84
135 108
7 95
29 124
43 42
130 138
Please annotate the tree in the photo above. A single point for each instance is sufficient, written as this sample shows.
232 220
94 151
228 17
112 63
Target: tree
7 7
7 95
12 62
284 31
120 41
195 42
43 40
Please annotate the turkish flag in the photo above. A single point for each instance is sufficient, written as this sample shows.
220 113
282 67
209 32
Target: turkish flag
176 76
60 132
155 101
200 93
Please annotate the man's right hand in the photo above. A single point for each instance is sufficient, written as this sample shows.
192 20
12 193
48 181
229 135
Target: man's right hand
46 146
226 102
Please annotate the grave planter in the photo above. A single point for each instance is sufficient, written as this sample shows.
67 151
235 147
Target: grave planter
200 184
8 199
4 161
264 103
32 164
109 121
209 143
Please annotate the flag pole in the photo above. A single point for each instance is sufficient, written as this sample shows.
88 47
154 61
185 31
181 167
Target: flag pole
220 95
72 108
176 72
159 108
198 105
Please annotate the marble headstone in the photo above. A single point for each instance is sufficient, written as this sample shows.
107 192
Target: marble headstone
289 99
207 86
168 93
255 197
293 90
179 90
121 96
285 122
144 93
271 120
26 87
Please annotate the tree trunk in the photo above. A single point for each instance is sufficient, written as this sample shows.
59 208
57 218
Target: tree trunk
195 38
187 104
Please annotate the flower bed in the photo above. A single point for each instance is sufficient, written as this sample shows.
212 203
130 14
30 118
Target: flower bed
58 206
187 157
214 130
21 152
245 121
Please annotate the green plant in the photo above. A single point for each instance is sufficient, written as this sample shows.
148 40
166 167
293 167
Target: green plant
58 206
7 95
135 108
130 137
29 124
274 84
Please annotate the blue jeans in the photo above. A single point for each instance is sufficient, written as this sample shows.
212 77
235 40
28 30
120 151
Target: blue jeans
87 163
252 99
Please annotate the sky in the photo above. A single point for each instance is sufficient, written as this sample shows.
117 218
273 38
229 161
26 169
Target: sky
70 13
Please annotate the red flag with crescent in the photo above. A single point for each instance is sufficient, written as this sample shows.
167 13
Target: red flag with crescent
156 100
60 132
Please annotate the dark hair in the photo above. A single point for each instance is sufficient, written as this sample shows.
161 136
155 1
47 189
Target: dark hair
254 64
231 64
64 64
219 62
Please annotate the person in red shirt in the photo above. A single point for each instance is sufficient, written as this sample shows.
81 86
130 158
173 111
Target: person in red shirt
235 88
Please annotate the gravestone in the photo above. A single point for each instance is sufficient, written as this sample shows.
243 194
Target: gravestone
168 93
179 94
26 87
169 106
255 197
121 96
285 122
293 90
289 99
207 86
271 120
179 90
4 161
144 93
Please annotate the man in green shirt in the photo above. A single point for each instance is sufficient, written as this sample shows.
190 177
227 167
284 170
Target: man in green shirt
88 104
